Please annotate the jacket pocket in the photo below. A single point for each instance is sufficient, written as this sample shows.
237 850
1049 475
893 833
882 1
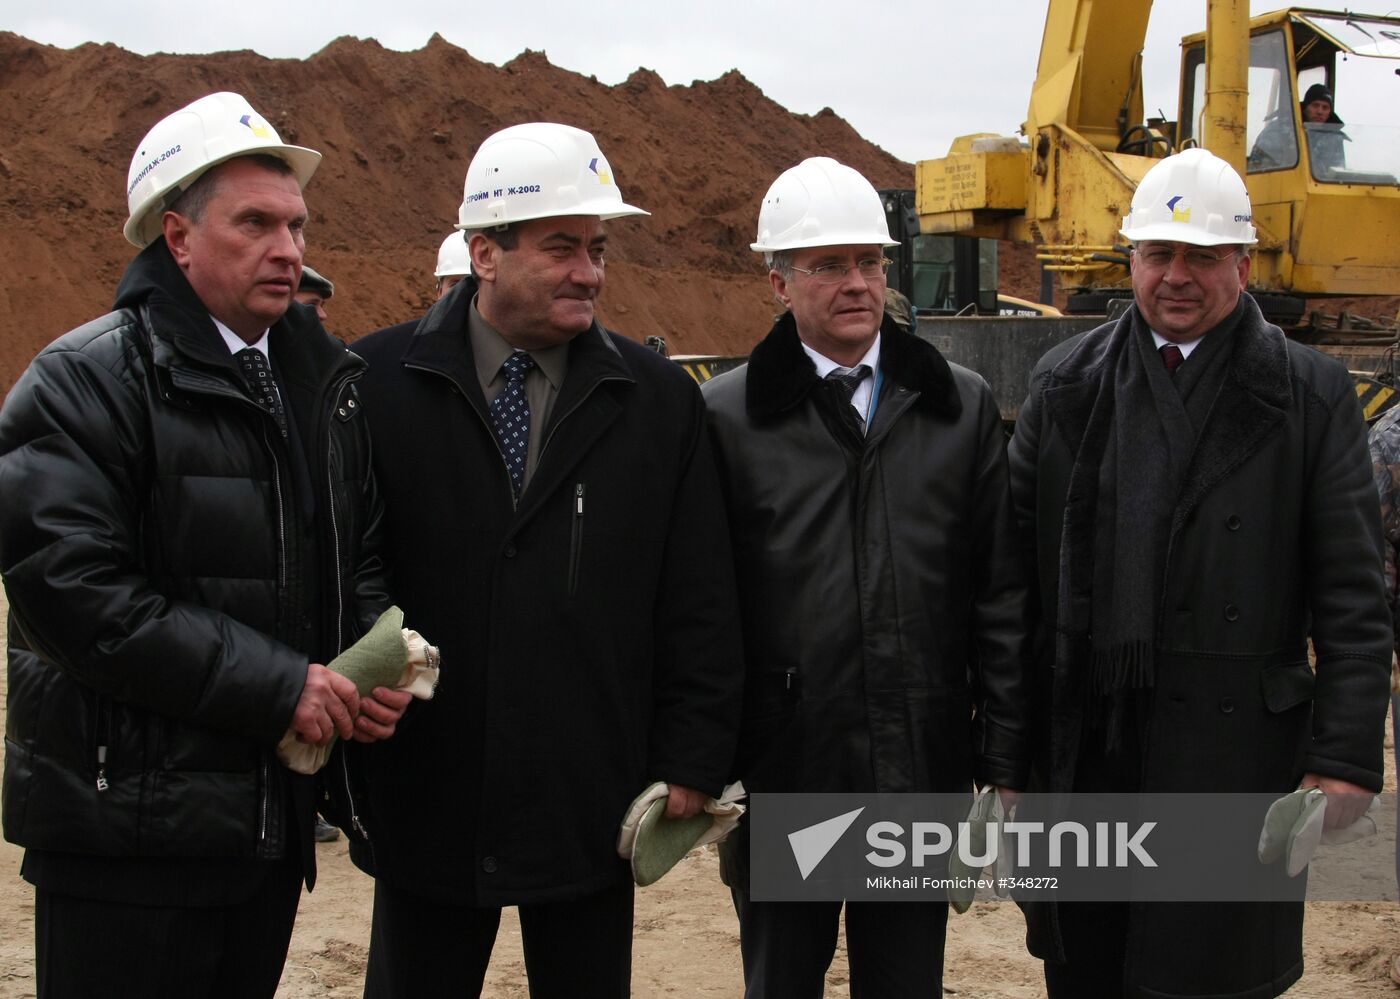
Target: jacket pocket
576 538
1286 685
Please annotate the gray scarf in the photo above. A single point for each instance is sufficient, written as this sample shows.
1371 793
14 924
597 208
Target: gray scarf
1137 446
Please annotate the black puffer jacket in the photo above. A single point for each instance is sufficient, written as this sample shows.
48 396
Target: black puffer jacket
154 543
880 586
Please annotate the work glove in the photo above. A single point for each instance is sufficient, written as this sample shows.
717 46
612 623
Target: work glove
389 655
655 844
1293 828
986 809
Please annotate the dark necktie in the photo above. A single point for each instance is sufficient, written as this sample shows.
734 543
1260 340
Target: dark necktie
510 417
259 378
1171 357
846 380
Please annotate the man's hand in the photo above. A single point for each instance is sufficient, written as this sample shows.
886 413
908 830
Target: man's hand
1009 799
1346 802
327 707
380 714
683 802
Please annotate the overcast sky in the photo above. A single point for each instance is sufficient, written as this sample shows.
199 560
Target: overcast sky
909 75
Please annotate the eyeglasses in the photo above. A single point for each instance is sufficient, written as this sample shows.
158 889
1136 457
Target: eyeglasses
1197 259
870 269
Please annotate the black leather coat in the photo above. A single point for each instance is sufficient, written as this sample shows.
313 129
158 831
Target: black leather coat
880 586
153 539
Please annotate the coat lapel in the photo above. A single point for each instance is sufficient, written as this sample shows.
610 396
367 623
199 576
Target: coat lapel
1252 404
1074 383
586 407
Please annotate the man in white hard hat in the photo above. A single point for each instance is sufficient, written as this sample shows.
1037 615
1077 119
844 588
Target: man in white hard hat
1197 493
880 587
453 262
314 290
188 530
552 486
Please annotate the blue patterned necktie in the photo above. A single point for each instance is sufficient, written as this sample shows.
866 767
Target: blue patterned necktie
846 380
510 417
259 378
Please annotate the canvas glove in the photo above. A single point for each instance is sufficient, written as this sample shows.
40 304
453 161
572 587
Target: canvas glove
389 655
654 844
986 809
1293 829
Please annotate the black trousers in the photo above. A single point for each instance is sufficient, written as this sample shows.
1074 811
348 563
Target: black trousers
118 950
425 947
1095 937
895 949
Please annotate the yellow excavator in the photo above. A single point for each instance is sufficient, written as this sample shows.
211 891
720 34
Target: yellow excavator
1325 194
1326 224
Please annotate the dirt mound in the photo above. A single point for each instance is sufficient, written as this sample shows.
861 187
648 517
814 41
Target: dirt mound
397 130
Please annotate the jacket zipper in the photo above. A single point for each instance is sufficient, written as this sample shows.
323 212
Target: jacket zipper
335 544
104 726
355 822
264 806
576 539
340 601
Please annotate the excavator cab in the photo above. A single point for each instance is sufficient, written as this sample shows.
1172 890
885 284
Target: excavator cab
1322 137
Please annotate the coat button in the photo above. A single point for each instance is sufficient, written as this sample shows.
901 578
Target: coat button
1227 705
488 864
341 412
1232 523
1232 613
509 551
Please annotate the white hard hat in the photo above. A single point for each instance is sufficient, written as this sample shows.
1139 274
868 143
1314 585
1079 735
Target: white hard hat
820 202
1192 197
535 171
183 145
453 255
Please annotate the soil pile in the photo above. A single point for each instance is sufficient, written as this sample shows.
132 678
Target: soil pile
398 130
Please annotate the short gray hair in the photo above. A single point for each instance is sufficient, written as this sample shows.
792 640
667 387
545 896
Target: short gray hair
780 261
193 200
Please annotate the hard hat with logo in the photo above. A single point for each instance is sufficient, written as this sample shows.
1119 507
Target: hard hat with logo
453 256
539 170
183 145
315 282
1192 197
820 202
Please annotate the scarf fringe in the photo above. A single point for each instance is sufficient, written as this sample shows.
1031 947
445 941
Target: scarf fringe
1128 666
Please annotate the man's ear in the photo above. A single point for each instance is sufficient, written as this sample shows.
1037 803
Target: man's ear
485 254
780 288
177 231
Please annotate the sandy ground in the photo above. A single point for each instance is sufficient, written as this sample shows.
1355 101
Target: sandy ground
687 941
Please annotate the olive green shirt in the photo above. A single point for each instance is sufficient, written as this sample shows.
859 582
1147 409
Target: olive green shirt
542 383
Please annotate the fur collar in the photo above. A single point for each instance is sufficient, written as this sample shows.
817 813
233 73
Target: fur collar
781 374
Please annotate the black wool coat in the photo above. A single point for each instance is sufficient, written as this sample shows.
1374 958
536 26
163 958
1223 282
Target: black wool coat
589 638
1275 538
